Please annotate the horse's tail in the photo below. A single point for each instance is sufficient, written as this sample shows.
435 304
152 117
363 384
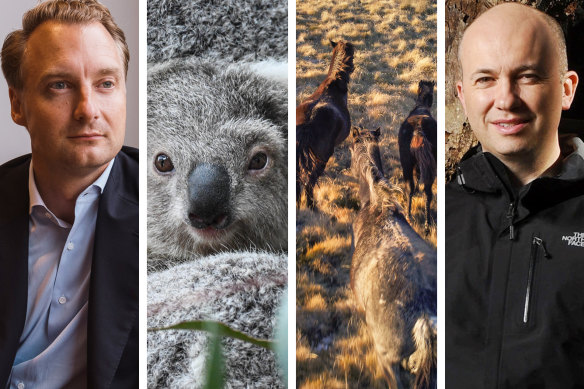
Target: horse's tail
305 158
421 148
423 360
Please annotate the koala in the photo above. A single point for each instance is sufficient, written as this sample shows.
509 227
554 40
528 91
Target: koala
217 160
217 216
240 289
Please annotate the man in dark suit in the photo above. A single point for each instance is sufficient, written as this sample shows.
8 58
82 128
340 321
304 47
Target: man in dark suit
69 211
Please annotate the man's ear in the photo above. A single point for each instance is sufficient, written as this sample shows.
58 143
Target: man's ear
570 83
16 109
460 95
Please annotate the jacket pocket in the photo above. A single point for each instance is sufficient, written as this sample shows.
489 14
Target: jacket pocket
537 246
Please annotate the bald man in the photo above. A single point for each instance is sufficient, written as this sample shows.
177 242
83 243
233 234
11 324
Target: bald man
515 212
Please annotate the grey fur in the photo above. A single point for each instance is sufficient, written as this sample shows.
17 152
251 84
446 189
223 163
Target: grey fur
393 274
233 30
238 289
202 112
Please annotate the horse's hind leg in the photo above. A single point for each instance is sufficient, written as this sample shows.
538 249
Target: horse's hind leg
412 191
316 173
309 191
310 197
299 190
428 190
393 376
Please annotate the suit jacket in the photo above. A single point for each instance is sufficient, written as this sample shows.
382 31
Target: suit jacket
112 333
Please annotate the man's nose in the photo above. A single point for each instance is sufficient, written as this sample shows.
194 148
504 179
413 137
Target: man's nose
507 95
85 109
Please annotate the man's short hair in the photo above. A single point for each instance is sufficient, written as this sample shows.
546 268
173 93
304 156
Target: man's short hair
560 41
557 33
62 11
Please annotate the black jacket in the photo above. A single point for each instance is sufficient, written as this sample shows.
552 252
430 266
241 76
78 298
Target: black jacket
515 277
112 333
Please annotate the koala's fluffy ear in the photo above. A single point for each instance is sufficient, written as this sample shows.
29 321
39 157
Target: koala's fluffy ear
273 105
275 109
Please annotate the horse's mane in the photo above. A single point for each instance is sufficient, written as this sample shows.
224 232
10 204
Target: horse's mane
382 194
341 65
338 76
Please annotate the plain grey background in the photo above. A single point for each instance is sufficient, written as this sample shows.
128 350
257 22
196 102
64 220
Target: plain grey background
14 140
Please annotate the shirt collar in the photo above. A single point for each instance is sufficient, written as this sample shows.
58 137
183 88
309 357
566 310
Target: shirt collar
36 199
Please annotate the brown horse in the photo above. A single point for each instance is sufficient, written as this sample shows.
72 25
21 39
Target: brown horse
323 122
417 147
393 274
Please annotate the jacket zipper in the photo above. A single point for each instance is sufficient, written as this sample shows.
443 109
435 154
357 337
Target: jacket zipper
511 216
536 243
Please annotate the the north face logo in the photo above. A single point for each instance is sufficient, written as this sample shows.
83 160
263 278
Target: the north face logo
575 240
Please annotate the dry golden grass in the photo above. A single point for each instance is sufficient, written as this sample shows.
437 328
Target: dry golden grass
395 42
315 302
306 50
335 245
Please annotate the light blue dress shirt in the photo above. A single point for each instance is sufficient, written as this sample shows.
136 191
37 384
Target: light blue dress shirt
53 346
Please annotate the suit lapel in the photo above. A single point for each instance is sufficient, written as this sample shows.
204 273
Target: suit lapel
13 260
113 291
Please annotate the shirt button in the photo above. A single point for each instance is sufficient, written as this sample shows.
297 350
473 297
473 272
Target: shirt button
20 385
62 300
70 246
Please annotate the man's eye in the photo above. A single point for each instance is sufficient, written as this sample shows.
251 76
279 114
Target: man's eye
59 85
484 80
529 77
107 84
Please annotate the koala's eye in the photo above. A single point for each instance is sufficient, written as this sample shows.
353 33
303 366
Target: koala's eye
258 161
163 163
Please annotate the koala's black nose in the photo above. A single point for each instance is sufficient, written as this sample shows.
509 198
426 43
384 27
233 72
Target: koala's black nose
209 197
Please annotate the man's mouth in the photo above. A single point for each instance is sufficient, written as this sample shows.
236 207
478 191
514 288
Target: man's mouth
510 126
87 136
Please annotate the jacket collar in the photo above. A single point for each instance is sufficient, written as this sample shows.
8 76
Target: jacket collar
573 165
481 171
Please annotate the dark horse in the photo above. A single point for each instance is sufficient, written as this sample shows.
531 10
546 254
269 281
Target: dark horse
417 147
393 274
323 122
